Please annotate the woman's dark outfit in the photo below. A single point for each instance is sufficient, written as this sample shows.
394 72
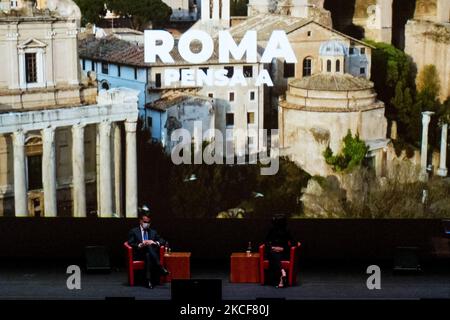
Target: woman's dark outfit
278 236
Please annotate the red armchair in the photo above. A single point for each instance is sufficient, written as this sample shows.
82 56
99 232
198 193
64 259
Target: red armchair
133 265
291 265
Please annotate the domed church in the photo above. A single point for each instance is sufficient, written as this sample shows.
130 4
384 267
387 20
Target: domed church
319 109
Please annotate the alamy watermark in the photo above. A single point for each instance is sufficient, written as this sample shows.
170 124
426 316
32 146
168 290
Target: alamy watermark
74 280
237 146
374 280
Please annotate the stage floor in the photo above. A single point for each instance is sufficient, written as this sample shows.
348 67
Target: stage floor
327 280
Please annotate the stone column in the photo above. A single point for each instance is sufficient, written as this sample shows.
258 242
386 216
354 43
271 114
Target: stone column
131 170
443 160
20 181
49 171
78 171
205 10
118 170
106 203
216 10
424 152
394 130
226 10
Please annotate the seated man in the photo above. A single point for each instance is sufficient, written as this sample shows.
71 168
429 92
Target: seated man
145 243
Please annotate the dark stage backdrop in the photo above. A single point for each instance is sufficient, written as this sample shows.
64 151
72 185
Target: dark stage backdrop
65 238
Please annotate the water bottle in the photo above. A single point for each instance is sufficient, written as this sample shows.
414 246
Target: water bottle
249 248
166 248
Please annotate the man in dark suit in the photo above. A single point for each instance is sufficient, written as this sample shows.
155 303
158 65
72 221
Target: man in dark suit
146 243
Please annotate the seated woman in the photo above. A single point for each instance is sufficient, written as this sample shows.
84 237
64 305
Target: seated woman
277 244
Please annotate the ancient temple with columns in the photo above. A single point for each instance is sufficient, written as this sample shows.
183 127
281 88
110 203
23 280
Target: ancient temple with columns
61 144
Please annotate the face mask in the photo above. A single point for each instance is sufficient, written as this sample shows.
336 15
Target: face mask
145 225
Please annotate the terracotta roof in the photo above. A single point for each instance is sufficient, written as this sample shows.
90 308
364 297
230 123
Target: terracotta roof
332 82
111 49
165 103
265 23
110 31
174 97
114 50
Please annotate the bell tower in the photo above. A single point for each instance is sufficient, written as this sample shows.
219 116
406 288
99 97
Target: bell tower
216 11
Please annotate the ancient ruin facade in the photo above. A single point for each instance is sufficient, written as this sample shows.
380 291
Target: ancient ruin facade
429 43
311 9
420 27
384 20
60 143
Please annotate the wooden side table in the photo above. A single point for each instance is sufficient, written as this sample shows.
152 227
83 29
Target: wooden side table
179 265
244 268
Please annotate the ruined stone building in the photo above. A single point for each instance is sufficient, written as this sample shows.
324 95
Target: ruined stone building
312 9
320 109
420 27
61 145
428 43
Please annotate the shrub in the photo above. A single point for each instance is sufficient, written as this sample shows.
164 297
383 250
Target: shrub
351 156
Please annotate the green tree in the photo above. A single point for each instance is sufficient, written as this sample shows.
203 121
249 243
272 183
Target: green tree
92 11
446 111
408 113
352 155
142 12
428 81
393 74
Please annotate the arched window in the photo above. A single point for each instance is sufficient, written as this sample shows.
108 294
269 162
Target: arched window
307 67
338 65
105 85
328 65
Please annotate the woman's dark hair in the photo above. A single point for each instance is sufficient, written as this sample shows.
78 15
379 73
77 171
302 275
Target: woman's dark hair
279 221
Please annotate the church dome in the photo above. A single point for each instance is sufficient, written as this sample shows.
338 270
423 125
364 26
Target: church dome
332 82
333 48
332 93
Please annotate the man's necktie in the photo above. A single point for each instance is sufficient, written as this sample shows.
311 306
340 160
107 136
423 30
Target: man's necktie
145 235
